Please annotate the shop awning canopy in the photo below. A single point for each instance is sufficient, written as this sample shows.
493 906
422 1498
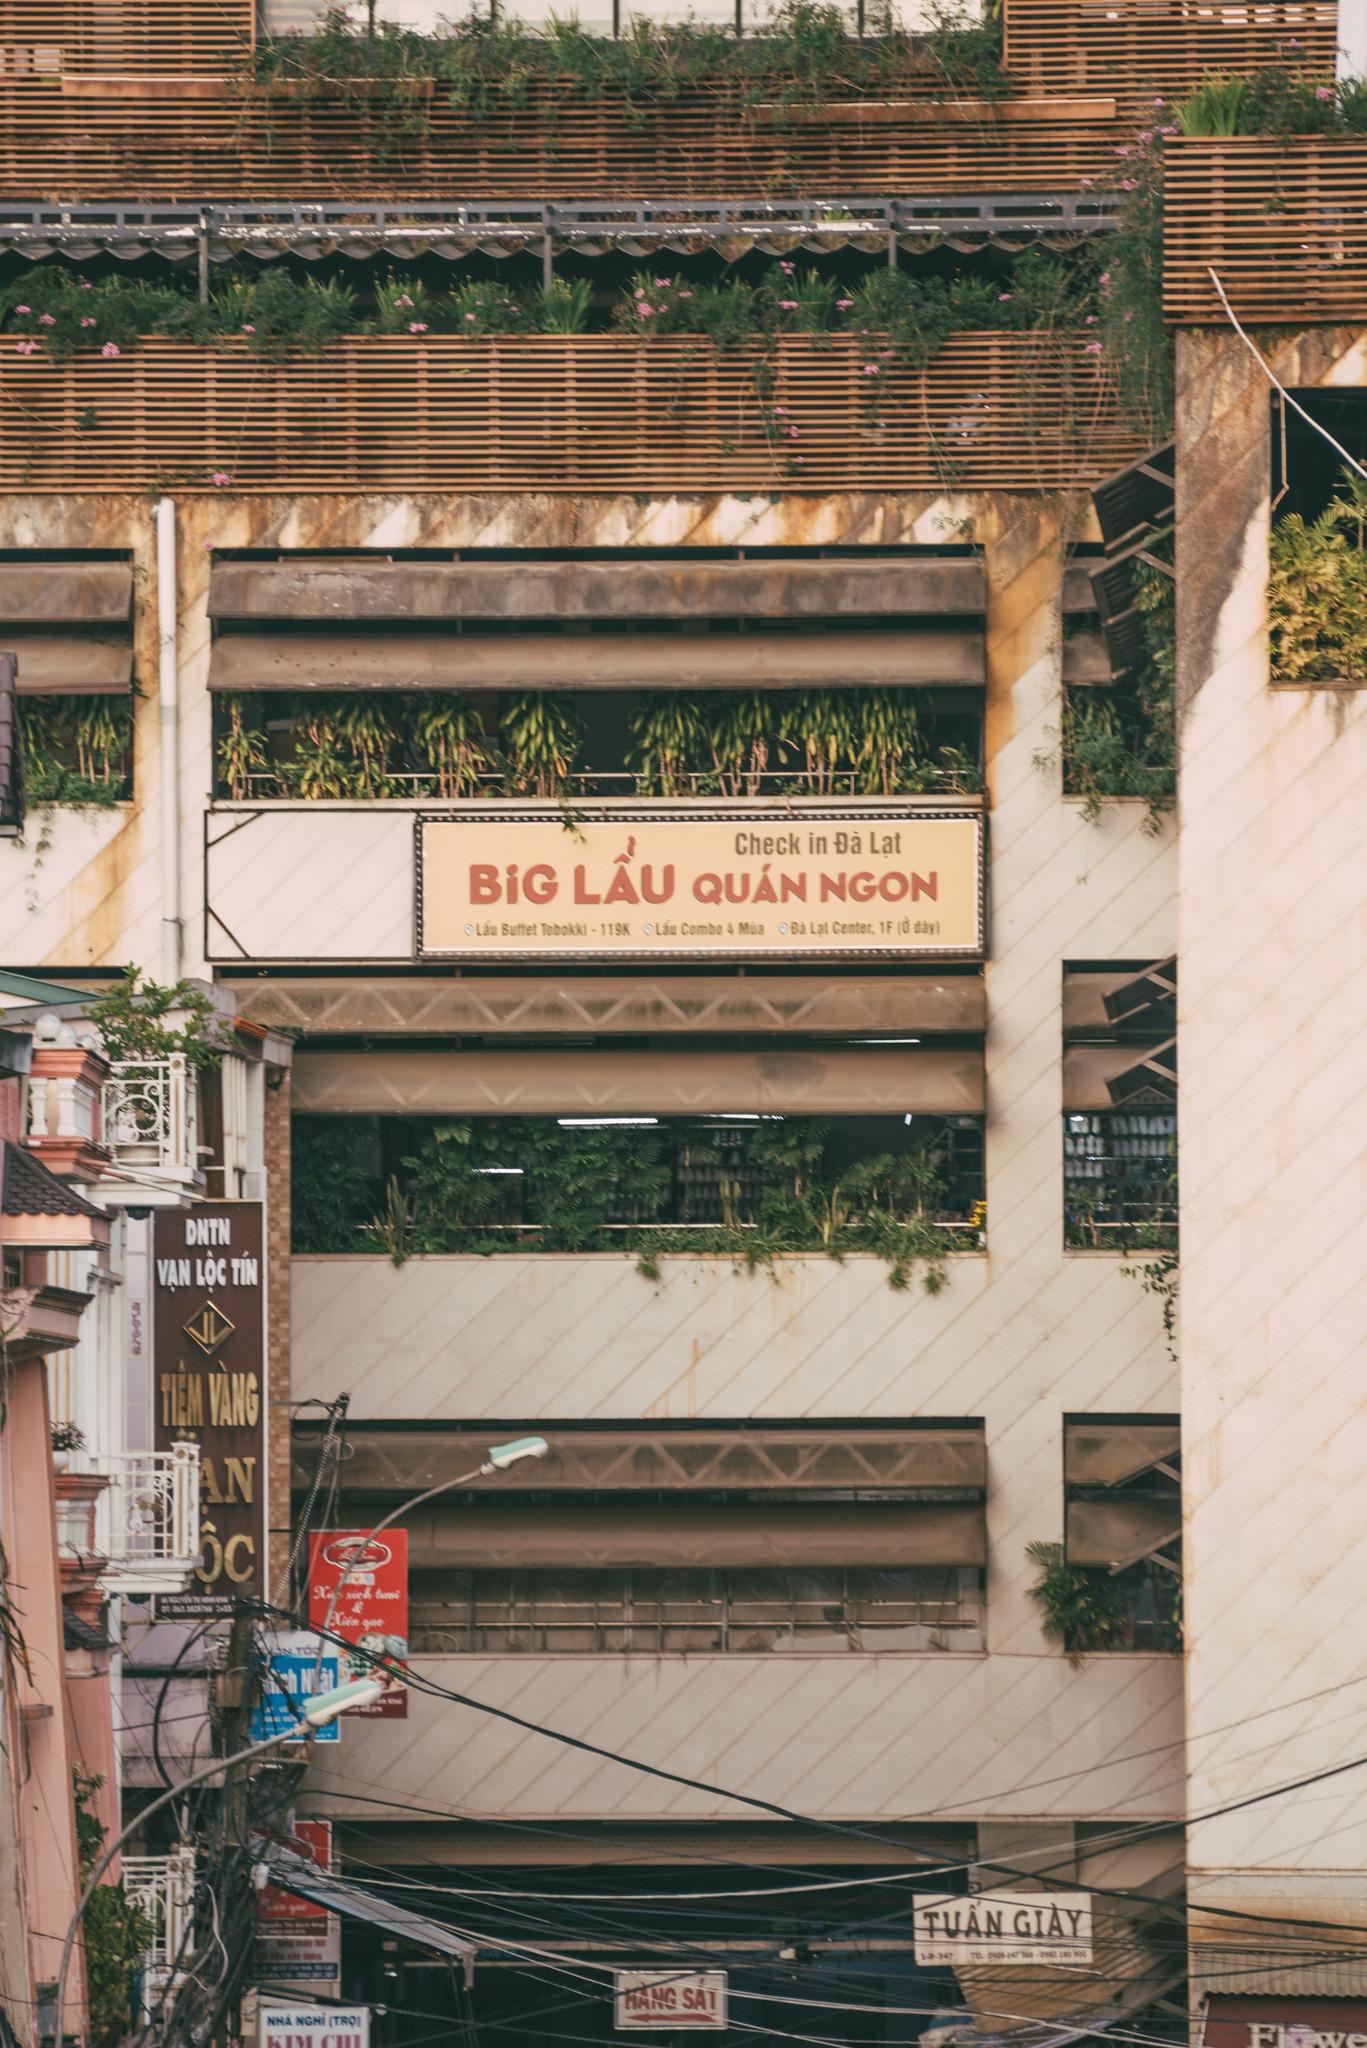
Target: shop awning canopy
306 1881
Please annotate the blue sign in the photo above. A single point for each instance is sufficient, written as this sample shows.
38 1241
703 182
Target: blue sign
293 1676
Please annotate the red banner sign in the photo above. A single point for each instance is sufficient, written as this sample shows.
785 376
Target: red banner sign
372 1609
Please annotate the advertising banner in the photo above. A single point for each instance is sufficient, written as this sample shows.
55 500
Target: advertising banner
671 1999
372 1611
295 1673
208 1349
884 882
1002 1927
1234 2020
301 1942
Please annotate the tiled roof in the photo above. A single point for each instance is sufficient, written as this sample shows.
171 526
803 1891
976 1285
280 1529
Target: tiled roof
28 1188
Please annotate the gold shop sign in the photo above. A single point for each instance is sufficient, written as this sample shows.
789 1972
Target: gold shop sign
853 882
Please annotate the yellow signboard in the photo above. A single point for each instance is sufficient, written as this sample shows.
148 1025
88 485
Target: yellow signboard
878 881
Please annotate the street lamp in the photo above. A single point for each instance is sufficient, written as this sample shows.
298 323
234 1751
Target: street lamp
500 1457
319 1710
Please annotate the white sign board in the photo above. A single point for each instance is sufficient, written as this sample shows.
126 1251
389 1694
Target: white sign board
670 1998
1003 1927
313 2026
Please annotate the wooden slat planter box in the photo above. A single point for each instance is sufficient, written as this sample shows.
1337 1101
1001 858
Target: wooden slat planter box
589 413
1140 50
1282 222
88 137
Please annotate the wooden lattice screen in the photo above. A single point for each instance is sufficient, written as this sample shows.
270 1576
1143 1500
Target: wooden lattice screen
550 413
1282 222
120 38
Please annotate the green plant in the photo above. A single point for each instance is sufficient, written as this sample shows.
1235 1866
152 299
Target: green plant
1317 591
667 741
1161 1276
1215 107
449 736
116 1934
67 1436
481 306
1084 1607
1119 744
241 751
392 1230
565 304
404 306
540 736
76 750
331 1184
132 1018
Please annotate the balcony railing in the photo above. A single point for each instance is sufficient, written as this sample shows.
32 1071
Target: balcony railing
163 1888
579 413
147 1518
150 1120
1282 220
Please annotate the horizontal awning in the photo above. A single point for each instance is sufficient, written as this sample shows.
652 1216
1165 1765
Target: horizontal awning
1086 659
1108 1452
901 1005
813 1081
1113 1076
941 1456
242 662
306 1881
352 590
1119 1531
495 1534
1133 998
43 593
54 665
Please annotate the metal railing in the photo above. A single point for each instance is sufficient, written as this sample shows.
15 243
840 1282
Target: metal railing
163 1888
147 1518
149 1118
266 785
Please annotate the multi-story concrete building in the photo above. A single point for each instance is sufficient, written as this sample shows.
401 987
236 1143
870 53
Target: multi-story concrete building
690 988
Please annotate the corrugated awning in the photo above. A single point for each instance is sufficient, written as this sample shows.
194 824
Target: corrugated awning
1115 1076
57 665
351 592
835 1081
495 1535
375 660
294 1874
1120 1531
1100 1452
939 1456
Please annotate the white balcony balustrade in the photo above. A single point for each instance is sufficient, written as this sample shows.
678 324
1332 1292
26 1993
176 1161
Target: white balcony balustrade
162 1887
150 1123
143 1522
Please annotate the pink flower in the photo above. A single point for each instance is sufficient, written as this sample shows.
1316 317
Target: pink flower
780 412
86 287
1127 184
1087 183
1324 92
46 320
788 305
1091 348
1160 101
1002 297
1171 129
871 369
640 292
646 312
1144 135
220 478
87 320
843 305
1105 277
111 348
797 460
787 269
25 348
793 434
1127 316
1125 150
23 309
1090 321
685 295
247 327
417 327
403 300
472 316
664 281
